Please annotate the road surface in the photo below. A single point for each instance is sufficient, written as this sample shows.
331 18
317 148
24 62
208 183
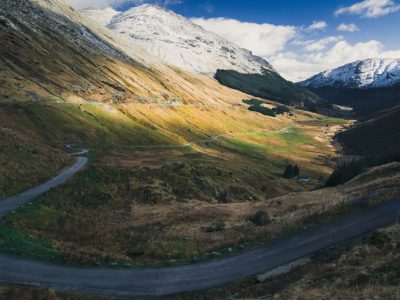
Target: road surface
196 277
9 204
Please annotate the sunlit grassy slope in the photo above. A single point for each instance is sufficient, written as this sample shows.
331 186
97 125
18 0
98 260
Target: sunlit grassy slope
60 56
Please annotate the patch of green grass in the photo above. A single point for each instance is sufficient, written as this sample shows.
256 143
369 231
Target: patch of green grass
18 242
324 120
35 217
294 137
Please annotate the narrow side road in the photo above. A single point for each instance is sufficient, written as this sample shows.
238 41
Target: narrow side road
157 282
9 204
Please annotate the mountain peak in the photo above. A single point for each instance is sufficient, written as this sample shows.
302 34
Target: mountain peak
368 73
178 41
151 6
101 16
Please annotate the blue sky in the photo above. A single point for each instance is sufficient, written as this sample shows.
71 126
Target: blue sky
282 31
292 12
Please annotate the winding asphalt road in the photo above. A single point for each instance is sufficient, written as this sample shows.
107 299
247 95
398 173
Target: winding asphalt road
196 277
9 204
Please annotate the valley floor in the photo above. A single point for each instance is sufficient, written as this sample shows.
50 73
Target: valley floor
161 178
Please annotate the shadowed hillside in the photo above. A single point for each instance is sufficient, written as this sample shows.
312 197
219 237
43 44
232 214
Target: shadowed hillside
371 143
364 101
270 85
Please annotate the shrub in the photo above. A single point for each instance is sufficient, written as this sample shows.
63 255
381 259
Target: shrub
260 218
263 110
281 109
218 226
291 171
253 102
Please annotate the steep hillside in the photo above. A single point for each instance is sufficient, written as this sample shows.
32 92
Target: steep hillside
374 136
368 86
370 143
50 52
270 85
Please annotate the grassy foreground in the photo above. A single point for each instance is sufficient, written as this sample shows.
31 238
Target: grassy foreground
366 269
133 230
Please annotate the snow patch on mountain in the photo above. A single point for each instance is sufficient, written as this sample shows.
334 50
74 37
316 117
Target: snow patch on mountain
363 74
178 41
101 16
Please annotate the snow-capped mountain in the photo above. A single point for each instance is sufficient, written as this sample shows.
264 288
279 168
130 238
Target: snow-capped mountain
64 56
363 74
178 41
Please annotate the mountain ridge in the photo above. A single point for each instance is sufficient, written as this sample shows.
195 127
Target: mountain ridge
361 74
178 41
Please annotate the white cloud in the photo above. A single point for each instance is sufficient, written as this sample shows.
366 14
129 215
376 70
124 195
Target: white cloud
391 54
348 27
297 66
370 8
321 44
317 25
288 49
262 39
81 4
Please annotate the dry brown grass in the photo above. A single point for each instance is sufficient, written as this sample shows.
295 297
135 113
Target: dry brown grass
140 233
30 293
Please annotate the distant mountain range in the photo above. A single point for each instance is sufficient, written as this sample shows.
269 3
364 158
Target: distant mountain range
362 74
368 85
179 42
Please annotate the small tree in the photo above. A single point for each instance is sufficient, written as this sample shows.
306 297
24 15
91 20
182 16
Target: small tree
289 172
296 170
260 218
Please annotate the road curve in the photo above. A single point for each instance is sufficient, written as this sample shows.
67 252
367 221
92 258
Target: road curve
167 281
9 204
